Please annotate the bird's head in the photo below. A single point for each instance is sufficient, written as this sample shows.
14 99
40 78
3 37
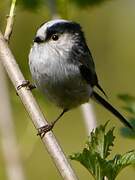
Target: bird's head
59 35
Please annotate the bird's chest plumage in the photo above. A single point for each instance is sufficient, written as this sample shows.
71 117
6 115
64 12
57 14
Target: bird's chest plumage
60 81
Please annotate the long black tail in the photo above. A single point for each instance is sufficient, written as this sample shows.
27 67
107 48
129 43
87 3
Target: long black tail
110 108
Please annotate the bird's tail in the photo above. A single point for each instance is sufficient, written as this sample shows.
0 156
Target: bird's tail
110 108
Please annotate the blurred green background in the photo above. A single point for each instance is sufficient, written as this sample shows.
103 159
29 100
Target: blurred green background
109 28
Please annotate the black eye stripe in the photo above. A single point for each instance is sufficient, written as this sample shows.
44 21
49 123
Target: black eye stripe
60 28
50 33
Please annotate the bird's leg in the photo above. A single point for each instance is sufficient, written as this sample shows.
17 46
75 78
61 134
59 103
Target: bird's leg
44 129
26 84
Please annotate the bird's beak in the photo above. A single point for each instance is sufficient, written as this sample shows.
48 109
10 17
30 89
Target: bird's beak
39 39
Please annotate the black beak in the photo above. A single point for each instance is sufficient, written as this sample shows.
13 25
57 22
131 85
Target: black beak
39 39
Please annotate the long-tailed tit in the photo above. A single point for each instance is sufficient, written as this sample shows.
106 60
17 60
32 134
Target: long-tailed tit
62 67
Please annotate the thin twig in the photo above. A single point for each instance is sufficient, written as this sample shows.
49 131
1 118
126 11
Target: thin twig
34 111
10 21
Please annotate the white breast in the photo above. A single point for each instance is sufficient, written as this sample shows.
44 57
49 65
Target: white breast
60 81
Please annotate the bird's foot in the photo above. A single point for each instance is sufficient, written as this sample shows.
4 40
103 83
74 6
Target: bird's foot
44 129
26 84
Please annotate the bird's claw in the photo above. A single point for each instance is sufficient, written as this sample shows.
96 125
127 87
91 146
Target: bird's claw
44 129
26 84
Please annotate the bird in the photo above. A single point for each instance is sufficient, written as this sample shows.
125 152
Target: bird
63 69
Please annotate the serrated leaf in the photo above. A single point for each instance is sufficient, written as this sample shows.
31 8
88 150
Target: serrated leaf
97 166
101 141
121 161
94 155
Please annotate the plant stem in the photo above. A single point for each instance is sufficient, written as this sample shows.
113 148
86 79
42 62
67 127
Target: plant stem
10 21
12 9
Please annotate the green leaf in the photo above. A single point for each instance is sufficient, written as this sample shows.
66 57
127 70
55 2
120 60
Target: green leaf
94 155
121 161
100 141
93 162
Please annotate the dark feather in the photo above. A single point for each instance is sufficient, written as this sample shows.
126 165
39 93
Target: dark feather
88 75
91 78
81 52
62 27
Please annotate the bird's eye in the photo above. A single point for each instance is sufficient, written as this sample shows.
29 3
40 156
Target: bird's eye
55 37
